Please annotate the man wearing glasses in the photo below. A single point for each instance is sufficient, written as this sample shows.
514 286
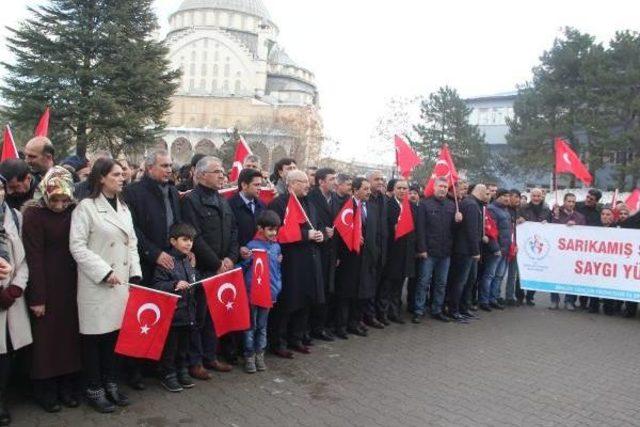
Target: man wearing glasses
216 250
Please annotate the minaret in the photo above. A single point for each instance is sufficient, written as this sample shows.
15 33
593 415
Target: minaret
264 33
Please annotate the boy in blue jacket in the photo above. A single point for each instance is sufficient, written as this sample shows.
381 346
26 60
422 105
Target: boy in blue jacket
255 339
173 363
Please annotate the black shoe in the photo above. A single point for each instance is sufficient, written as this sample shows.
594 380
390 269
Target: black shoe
354 330
49 404
468 315
459 318
373 323
69 400
114 395
342 334
417 319
396 319
441 317
322 335
135 381
496 305
98 400
306 340
594 309
530 303
485 307
170 383
185 379
384 320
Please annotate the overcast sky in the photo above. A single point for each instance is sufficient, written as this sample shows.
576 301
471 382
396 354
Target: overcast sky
364 52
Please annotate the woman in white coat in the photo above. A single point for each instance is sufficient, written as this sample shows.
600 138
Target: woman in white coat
15 328
103 243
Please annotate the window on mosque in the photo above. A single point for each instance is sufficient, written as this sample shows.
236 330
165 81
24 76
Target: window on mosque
238 86
227 70
214 85
205 56
204 69
225 86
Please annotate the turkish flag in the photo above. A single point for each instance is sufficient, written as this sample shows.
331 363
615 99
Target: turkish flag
444 168
348 224
43 125
294 217
227 301
567 161
633 201
266 195
405 224
406 158
260 294
490 225
228 193
146 323
9 150
242 151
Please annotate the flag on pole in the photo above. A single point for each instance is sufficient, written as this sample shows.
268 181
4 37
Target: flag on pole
260 294
242 151
294 217
43 125
405 224
146 323
406 158
633 201
227 301
567 161
348 224
9 150
444 168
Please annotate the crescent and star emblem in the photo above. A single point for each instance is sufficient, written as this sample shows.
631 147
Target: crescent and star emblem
260 264
344 216
441 168
565 157
144 329
229 303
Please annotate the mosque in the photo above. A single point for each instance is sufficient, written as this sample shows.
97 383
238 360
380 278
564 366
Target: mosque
235 75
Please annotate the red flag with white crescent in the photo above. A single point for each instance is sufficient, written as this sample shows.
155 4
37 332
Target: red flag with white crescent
633 201
9 150
444 168
260 294
348 224
242 151
266 195
294 217
405 223
228 302
406 158
146 323
42 129
567 161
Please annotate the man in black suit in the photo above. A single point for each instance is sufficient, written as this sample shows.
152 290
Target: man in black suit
246 206
323 197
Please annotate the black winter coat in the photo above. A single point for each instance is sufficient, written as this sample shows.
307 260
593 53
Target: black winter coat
533 214
245 219
145 201
401 253
356 275
166 280
215 224
438 225
301 264
468 234
380 202
328 249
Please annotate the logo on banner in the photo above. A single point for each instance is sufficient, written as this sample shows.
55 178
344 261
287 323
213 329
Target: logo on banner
537 247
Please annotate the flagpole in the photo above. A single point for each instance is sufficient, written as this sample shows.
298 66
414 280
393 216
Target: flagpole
199 282
144 288
455 193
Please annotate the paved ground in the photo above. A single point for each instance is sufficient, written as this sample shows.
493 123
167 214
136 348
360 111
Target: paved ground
524 366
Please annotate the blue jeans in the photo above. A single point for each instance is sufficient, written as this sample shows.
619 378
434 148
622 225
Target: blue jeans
568 299
495 267
432 273
255 339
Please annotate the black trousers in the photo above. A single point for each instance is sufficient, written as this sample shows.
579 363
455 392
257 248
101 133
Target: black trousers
460 289
287 328
100 361
318 315
349 312
389 299
174 354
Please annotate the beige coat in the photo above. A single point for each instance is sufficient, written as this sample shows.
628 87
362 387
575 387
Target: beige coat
17 315
102 240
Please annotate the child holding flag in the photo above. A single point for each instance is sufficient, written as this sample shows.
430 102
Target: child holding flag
173 364
264 282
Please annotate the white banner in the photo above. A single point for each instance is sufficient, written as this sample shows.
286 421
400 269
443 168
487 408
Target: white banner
592 261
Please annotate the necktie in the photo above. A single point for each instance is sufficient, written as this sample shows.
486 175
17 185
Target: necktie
252 207
364 212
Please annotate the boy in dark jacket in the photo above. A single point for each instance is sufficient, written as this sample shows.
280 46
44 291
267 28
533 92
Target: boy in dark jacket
255 339
173 364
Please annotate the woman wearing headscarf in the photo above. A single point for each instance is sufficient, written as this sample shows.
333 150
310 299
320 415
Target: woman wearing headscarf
15 331
103 243
51 296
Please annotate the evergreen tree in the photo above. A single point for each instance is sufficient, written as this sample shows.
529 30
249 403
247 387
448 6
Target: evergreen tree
99 67
445 120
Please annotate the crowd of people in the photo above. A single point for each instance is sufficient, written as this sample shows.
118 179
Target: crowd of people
76 233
